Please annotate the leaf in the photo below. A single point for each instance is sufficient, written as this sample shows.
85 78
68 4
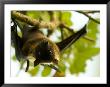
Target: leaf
33 14
33 72
14 58
45 16
46 71
66 18
62 66
79 62
92 29
84 50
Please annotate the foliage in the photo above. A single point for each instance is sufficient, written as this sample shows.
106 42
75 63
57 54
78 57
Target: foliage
77 54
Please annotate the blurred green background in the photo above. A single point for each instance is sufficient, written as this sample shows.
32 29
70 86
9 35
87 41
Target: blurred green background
80 59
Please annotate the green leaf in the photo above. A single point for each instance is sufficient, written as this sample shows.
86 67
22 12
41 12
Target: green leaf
14 58
46 71
79 62
34 71
45 16
66 18
34 14
84 50
92 29
62 66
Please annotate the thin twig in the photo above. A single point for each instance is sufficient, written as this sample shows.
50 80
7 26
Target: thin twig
89 17
62 33
69 29
91 12
89 38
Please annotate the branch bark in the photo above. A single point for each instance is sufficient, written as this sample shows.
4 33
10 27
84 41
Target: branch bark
34 22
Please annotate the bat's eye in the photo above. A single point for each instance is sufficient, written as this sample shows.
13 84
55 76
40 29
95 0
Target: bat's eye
50 52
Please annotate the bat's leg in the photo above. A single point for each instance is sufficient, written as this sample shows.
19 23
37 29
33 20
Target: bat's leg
27 66
70 40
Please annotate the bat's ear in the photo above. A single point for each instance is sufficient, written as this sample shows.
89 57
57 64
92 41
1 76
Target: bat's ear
70 40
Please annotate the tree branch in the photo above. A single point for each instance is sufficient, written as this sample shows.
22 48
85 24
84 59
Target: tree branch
89 17
34 22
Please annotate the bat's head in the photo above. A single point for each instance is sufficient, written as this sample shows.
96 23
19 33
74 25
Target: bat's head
46 52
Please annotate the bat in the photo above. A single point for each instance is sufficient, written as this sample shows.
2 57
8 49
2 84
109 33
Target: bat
34 43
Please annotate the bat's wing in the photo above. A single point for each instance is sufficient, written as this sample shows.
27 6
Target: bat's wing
70 40
16 41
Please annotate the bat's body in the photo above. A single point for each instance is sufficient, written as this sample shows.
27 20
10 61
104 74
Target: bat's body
40 47
34 43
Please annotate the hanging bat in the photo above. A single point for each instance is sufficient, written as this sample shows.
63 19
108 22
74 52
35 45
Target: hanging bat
34 43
